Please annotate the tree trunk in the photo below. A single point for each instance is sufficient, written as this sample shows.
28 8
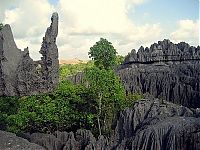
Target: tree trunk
99 113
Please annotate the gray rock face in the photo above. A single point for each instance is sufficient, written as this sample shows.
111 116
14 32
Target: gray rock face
82 139
161 125
168 133
19 74
131 118
10 141
166 71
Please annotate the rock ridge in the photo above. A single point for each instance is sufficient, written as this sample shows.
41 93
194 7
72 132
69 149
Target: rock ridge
164 51
153 70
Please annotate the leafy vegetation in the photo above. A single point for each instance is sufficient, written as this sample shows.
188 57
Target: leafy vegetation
66 110
119 59
1 26
90 105
72 69
108 93
103 54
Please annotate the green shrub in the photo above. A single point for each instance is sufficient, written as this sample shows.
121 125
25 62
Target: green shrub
65 109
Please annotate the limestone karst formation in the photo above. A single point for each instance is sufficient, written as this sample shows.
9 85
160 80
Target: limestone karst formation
165 70
19 73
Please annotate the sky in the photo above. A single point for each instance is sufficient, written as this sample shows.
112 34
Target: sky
127 24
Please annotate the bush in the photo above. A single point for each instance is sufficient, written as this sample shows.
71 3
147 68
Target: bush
66 109
8 106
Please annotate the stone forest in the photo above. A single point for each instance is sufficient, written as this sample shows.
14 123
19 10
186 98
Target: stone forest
150 100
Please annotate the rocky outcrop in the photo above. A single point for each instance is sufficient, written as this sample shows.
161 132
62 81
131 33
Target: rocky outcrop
19 74
167 133
10 141
131 119
164 51
150 124
81 140
166 71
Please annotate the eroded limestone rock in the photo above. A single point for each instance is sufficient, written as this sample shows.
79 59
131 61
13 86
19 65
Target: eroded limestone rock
10 141
165 70
19 74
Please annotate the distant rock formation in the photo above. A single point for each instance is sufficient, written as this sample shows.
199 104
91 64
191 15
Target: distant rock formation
164 51
148 125
166 71
19 74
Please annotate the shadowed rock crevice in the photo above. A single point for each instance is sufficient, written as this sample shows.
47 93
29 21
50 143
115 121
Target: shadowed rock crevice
19 74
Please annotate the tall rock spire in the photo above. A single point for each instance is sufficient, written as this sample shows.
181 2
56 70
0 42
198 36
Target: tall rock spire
49 51
19 74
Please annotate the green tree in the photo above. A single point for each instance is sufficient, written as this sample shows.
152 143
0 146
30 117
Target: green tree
103 54
108 93
1 26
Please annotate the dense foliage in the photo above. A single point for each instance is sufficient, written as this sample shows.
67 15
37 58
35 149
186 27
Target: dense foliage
103 54
108 93
72 69
8 106
90 105
66 110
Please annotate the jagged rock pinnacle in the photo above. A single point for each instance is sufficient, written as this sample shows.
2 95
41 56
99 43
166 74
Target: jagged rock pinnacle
19 74
165 70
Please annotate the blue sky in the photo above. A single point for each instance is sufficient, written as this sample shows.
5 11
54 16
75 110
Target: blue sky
166 11
128 24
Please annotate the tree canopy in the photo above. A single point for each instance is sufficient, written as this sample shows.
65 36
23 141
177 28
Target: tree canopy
108 93
103 54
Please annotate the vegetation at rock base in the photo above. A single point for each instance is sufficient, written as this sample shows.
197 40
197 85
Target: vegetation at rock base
90 105
66 109
1 26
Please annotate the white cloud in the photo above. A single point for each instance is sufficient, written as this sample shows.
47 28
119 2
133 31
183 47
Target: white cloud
81 24
29 20
91 19
188 30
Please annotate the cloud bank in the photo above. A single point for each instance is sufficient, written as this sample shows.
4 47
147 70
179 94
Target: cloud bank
82 23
